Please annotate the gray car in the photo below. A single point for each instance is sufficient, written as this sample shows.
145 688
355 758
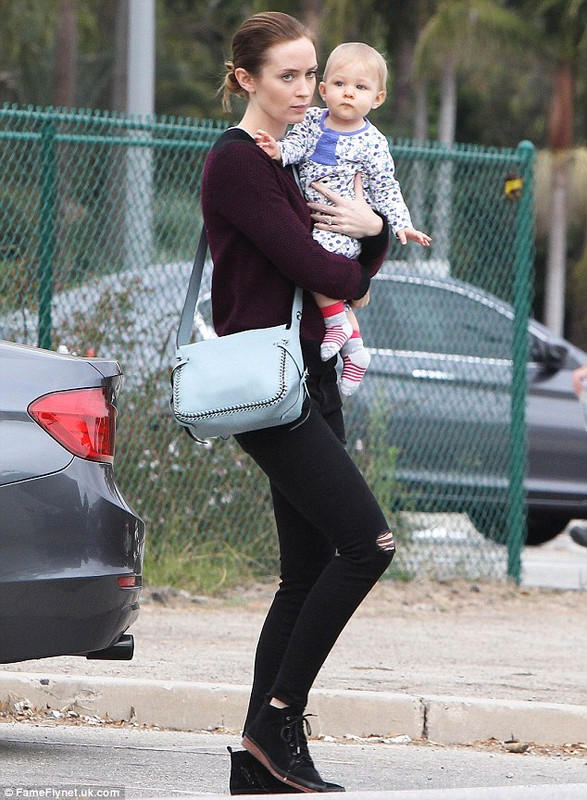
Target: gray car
71 549
441 375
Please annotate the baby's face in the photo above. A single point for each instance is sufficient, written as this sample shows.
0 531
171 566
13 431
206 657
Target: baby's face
350 91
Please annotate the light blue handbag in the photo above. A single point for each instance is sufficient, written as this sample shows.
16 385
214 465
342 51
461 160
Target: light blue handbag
236 383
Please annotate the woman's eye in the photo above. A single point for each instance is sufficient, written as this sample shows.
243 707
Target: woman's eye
287 77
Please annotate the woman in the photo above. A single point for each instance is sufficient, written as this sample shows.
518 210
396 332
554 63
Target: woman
334 540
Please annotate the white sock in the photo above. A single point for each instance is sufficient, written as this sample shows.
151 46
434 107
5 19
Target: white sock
356 359
338 331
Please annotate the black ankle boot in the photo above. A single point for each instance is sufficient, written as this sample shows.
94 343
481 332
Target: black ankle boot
249 776
277 739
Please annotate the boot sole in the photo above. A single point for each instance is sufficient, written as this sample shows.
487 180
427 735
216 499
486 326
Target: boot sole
256 751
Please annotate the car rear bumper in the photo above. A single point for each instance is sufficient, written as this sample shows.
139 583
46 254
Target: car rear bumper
72 524
41 618
65 540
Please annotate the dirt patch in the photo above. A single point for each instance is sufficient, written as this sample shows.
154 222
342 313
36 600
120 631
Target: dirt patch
483 640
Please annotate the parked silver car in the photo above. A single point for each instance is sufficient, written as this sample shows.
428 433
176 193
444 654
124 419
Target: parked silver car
71 549
441 374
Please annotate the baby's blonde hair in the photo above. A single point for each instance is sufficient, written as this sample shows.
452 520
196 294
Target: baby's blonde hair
358 51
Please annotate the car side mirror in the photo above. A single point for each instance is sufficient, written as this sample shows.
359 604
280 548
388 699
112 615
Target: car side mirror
551 355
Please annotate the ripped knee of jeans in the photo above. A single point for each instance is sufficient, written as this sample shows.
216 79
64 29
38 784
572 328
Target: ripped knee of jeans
386 542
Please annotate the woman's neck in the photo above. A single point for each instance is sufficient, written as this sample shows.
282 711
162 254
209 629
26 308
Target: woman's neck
252 121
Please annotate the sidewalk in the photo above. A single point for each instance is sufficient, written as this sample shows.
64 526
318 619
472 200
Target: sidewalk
452 663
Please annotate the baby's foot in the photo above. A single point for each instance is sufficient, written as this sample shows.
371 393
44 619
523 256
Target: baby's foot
356 359
335 338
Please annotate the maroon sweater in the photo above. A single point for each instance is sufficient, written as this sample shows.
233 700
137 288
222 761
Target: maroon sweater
259 233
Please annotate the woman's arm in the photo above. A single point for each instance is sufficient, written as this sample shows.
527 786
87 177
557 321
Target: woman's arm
261 200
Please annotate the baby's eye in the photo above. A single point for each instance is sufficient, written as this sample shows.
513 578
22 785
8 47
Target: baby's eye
338 83
361 86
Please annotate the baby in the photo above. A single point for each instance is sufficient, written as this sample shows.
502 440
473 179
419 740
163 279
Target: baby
331 145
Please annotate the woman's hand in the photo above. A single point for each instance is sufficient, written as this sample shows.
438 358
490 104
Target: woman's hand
361 302
354 218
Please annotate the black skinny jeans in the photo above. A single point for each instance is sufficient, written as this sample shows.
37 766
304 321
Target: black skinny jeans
334 545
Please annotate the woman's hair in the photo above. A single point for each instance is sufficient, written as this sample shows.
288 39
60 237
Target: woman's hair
251 43
352 52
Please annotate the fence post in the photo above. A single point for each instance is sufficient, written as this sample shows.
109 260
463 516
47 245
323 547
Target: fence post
47 233
521 302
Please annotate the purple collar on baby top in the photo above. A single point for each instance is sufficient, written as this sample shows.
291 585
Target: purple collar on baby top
325 151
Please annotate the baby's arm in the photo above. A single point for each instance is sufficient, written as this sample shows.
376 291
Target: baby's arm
387 196
267 143
296 145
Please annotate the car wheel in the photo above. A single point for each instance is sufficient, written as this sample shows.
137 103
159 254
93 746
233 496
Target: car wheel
490 523
542 527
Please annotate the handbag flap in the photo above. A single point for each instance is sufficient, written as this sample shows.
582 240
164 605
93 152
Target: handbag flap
260 360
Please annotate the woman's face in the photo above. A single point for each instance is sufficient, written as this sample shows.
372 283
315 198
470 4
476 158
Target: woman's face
285 87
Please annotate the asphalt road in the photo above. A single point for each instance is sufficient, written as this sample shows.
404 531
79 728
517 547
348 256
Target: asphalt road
110 762
46 761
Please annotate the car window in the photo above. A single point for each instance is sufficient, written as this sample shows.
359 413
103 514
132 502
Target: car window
434 319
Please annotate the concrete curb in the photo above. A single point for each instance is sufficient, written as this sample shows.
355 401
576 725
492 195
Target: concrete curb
182 705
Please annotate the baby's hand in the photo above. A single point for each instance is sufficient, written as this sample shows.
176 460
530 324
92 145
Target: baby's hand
267 143
412 235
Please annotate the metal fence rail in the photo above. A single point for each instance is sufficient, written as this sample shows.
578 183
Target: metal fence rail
99 215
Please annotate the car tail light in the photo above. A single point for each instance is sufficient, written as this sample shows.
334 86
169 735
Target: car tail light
82 420
128 581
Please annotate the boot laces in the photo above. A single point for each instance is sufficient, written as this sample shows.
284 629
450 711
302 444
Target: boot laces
294 734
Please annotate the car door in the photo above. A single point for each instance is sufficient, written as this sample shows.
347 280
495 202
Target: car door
557 439
440 373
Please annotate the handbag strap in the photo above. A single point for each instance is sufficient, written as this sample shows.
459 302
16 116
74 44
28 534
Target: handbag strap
186 319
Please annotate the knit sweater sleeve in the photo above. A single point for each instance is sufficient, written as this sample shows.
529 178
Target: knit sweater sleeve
259 199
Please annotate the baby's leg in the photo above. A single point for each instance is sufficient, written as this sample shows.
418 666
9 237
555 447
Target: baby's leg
355 358
352 318
338 327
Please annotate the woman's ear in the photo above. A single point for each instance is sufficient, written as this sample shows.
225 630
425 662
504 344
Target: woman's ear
245 80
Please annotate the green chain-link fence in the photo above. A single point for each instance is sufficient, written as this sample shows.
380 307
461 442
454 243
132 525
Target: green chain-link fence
99 217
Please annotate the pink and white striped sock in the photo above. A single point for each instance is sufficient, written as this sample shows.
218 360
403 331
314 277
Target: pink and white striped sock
338 330
356 359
